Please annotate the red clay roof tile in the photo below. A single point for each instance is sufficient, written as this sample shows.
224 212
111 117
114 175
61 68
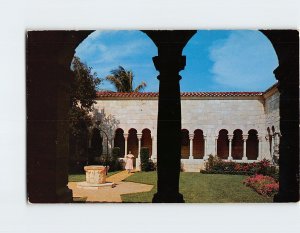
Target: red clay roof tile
183 94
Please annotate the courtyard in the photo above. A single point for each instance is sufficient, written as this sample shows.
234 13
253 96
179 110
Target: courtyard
139 187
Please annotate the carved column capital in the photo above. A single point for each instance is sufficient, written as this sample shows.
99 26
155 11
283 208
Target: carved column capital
191 136
125 135
139 136
245 137
230 137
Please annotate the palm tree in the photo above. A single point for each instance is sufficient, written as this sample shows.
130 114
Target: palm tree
123 80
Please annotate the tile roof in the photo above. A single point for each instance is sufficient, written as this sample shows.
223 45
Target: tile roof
110 94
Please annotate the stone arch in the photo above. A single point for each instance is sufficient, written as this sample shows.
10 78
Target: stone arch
252 145
146 140
198 144
237 144
223 144
133 143
119 141
185 144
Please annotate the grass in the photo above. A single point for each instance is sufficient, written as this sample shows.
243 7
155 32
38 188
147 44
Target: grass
200 188
81 177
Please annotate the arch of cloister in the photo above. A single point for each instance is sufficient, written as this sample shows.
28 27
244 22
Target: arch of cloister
49 55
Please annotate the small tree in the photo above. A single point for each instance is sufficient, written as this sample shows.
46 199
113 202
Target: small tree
82 97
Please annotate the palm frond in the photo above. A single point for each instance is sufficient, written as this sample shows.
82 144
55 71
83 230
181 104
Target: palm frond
122 79
115 81
140 87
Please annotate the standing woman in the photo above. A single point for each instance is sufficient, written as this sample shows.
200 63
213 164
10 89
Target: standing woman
129 162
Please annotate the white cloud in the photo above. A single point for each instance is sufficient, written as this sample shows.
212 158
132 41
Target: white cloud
117 52
244 61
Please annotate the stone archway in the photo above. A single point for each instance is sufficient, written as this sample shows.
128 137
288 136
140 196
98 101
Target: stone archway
119 141
237 144
50 53
146 140
132 143
252 145
223 144
198 144
185 144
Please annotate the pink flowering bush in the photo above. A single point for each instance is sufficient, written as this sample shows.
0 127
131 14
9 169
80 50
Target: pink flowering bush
264 185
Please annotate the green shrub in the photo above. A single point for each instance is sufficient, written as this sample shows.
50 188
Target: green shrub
144 158
113 161
146 163
215 165
151 166
116 152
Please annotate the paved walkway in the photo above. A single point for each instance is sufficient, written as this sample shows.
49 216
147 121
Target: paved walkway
107 193
118 177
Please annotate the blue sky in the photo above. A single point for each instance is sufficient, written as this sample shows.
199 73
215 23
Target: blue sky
217 60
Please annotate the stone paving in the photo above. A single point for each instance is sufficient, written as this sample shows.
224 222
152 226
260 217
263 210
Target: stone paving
107 193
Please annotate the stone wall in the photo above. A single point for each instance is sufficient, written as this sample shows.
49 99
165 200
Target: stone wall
210 114
272 130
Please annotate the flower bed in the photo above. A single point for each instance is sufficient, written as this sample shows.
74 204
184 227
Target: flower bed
264 185
215 165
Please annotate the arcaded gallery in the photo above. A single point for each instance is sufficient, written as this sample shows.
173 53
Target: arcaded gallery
237 126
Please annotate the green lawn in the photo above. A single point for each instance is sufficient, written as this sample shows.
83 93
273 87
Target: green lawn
81 177
200 188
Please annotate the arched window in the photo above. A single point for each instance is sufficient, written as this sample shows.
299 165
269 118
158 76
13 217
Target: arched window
252 145
198 144
119 141
185 144
237 144
273 129
133 142
146 140
223 144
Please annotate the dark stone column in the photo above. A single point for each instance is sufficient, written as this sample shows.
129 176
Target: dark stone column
169 62
286 44
48 59
288 76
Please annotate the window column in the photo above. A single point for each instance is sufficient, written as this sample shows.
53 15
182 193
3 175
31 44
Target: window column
154 150
216 145
191 137
230 137
259 157
245 137
126 138
205 147
138 159
272 144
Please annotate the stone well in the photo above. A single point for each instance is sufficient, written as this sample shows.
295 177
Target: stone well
95 174
95 178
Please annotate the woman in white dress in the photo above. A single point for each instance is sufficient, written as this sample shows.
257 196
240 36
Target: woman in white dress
129 162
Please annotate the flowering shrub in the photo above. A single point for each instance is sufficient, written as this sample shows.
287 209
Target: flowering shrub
215 165
264 185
